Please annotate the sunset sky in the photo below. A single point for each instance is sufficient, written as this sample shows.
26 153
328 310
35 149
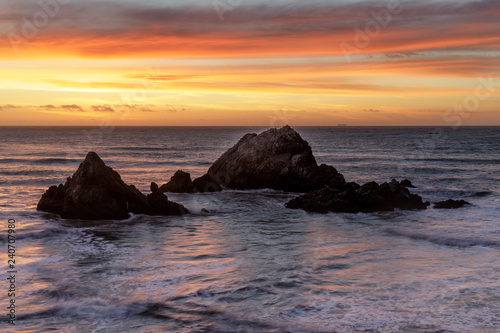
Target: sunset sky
249 62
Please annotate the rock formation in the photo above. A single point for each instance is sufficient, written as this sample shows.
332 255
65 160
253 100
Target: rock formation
278 159
181 183
354 198
206 183
450 204
407 183
161 205
97 192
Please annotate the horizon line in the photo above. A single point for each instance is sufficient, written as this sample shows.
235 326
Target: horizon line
242 126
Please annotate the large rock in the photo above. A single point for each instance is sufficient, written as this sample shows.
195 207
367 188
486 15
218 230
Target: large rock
278 159
97 192
180 182
370 197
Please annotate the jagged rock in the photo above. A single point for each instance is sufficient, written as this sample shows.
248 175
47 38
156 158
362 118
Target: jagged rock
370 197
278 159
97 192
180 182
407 183
161 205
206 183
450 204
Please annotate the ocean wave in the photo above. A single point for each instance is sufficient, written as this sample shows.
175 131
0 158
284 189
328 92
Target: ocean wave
39 161
446 240
47 233
239 293
11 160
24 172
453 192
96 308
55 295
44 161
138 148
145 149
256 191
443 160
480 194
333 267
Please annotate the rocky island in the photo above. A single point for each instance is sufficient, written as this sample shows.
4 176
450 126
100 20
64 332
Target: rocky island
280 159
97 192
277 159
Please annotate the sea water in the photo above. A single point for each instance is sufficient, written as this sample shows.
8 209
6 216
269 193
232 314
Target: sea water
247 263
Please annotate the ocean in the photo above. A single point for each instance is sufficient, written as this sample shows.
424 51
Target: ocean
249 264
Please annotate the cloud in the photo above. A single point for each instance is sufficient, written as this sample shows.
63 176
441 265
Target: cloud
72 107
402 54
172 109
8 106
162 77
47 107
102 108
145 109
123 30
135 107
371 110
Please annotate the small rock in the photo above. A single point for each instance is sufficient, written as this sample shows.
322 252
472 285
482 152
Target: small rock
450 204
407 183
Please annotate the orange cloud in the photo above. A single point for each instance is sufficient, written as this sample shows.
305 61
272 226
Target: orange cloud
88 60
110 30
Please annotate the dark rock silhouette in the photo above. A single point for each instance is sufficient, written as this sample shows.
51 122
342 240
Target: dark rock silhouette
161 205
206 183
353 198
407 183
450 204
180 182
97 192
278 159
